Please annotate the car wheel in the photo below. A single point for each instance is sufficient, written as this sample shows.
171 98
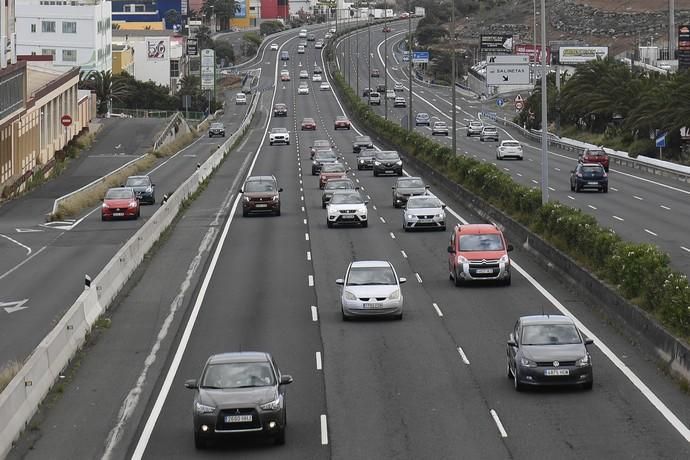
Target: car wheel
199 442
279 438
375 174
506 282
278 212
103 219
572 187
400 173
313 173
605 190
508 371
270 143
345 317
323 205
443 229
457 280
398 317
588 386
516 382
288 142
395 205
365 224
329 224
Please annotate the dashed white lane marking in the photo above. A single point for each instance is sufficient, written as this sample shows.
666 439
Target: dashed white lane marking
403 254
311 280
382 220
519 174
571 197
438 309
306 236
506 169
638 197
319 365
463 356
374 207
419 278
301 189
498 424
557 169
618 218
552 189
392 235
685 249
650 232
308 255
357 180
301 198
314 313
536 182
302 208
368 197
592 207
664 207
324 430
305 221
614 189
300 183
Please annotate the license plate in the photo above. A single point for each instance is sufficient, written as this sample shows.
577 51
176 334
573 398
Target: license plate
556 372
389 171
348 217
593 183
485 270
118 214
261 205
238 418
371 306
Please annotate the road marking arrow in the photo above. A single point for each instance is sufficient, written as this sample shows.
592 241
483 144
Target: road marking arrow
11 307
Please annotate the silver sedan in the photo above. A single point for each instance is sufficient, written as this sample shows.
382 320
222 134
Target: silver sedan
424 211
371 288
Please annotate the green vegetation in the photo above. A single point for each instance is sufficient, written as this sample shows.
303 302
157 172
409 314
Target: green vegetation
8 372
640 272
270 27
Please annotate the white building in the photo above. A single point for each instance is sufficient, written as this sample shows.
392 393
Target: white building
7 35
74 32
305 6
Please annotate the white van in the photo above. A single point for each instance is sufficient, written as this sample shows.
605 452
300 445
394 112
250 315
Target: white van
303 33
240 99
300 49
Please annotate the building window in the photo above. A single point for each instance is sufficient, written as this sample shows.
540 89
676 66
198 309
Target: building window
47 26
33 28
174 68
140 8
69 55
69 27
127 9
48 52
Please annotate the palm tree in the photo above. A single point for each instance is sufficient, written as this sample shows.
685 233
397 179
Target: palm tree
105 87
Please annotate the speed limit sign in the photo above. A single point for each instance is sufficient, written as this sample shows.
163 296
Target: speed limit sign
519 105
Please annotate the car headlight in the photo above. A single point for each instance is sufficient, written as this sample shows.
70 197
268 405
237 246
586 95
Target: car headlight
395 295
410 216
133 204
527 362
273 405
149 189
349 296
316 163
203 408
361 161
247 199
105 206
399 162
463 260
441 215
276 197
584 361
504 259
377 163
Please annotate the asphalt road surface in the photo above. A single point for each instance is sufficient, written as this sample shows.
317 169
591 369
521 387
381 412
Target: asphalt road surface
432 386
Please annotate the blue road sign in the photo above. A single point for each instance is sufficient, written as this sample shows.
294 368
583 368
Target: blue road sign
419 57
661 140
500 102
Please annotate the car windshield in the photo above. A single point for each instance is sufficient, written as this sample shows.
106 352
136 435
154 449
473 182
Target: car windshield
338 185
595 153
490 130
363 139
333 167
423 202
341 118
422 115
388 156
238 375
476 124
281 106
119 194
259 186
440 124
303 85
483 242
216 125
592 169
550 334
279 130
240 96
360 276
410 183
347 198
308 120
137 182
322 143
511 144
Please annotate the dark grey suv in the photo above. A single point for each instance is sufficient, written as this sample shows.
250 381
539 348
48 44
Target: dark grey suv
144 189
362 142
239 393
405 187
388 162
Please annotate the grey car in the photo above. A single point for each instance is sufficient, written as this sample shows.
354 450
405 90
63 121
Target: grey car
216 129
322 157
422 118
239 393
424 211
335 184
144 189
489 133
548 350
405 187
365 159
362 142
371 288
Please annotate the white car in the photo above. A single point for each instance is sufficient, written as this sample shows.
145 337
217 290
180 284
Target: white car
440 127
347 207
331 30
328 35
303 89
279 136
240 99
274 47
303 33
303 74
324 86
300 49
398 87
371 288
509 148
316 77
390 94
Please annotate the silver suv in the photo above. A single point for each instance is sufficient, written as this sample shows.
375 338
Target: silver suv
489 133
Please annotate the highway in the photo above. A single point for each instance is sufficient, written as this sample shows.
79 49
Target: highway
640 207
432 386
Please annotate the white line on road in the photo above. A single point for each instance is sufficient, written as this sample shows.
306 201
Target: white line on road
314 313
382 220
557 169
438 309
650 232
618 218
302 208
419 278
392 235
308 255
592 207
311 280
536 182
664 207
28 249
463 356
319 365
374 207
552 189
685 249
305 221
614 189
403 254
301 198
571 197
519 174
306 236
498 424
324 430
638 198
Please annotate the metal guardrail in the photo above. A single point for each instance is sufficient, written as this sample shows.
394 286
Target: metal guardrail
166 130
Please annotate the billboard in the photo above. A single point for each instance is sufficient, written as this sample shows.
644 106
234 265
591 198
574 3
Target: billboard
157 48
241 8
580 54
507 70
496 43
208 69
533 52
683 47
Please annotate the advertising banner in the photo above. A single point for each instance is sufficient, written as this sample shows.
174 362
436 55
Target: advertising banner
580 54
157 48
241 8
498 43
533 52
683 47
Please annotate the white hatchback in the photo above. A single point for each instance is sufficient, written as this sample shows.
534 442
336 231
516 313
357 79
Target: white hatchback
303 89
509 149
371 288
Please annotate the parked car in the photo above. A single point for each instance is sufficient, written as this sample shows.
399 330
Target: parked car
478 252
594 156
589 176
365 158
303 88
387 162
371 288
548 350
489 133
331 171
399 102
322 157
347 208
422 119
406 187
144 189
509 149
440 128
362 142
216 129
308 124
120 203
374 98
279 136
240 99
340 183
261 194
342 122
424 211
475 128
280 110
239 393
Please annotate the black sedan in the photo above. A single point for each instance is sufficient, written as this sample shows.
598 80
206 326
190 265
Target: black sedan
362 142
239 393
144 189
548 350
387 162
589 175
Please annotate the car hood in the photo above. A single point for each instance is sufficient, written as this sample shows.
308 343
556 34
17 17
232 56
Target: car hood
553 352
234 397
410 190
260 194
338 207
118 203
479 255
370 291
424 211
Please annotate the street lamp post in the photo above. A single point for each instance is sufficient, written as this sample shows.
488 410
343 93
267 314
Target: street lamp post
357 53
534 40
410 44
452 37
369 55
385 57
544 117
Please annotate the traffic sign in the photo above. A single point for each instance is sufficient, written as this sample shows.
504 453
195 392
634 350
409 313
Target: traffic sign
518 98
519 106
507 74
66 120
661 139
509 59
500 102
420 57
499 43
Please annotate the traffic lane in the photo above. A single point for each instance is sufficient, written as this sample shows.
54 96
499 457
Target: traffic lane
240 313
13 252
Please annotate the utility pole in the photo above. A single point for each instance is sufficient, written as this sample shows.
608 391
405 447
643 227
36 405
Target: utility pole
385 57
369 56
349 54
544 114
357 53
671 29
534 41
410 44
452 37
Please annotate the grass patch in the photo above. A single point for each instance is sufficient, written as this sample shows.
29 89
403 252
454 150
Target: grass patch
8 372
103 323
176 145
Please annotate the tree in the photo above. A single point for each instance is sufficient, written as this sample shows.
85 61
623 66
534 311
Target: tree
172 17
222 9
224 50
106 87
270 27
203 36
144 95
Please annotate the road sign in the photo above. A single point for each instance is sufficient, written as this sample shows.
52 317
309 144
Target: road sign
661 139
519 106
500 102
510 59
499 43
192 46
507 74
66 120
420 57
518 98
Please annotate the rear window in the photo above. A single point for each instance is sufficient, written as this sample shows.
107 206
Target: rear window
484 242
137 182
511 144
595 153
593 169
334 167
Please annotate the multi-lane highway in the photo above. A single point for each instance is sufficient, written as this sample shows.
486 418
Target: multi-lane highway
640 207
432 386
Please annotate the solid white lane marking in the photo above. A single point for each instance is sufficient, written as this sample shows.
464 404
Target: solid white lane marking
392 235
463 356
419 278
618 218
650 232
324 430
592 207
319 365
638 198
382 220
306 236
501 430
28 249
403 254
438 309
314 313
310 280
664 207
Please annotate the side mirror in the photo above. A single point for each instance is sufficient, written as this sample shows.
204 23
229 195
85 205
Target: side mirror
191 384
402 280
285 379
280 189
427 187
340 281
509 248
451 250
241 190
512 343
393 187
443 206
589 341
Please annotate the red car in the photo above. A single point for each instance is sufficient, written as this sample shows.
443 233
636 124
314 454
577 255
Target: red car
331 171
308 124
386 29
478 252
595 156
341 121
120 203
